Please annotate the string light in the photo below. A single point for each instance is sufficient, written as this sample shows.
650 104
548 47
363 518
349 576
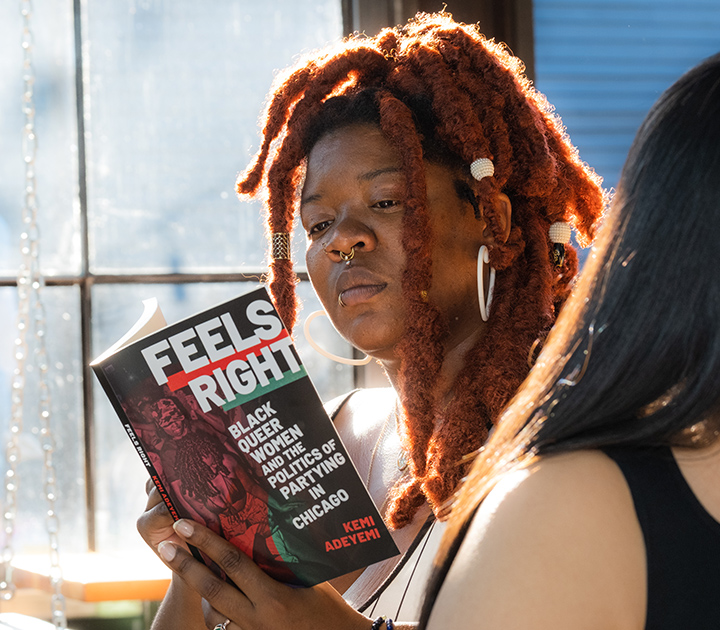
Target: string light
30 352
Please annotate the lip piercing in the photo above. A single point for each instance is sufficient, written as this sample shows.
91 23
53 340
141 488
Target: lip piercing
349 256
340 301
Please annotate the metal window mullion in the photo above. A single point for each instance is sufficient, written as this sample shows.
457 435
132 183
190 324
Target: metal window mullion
84 285
88 410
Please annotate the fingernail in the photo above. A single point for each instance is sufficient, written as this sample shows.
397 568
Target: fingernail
167 550
183 527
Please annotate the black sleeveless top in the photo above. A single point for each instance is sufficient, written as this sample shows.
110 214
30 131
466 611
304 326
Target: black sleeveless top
682 542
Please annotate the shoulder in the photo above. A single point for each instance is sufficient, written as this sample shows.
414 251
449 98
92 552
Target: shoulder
361 417
577 495
362 410
556 545
585 482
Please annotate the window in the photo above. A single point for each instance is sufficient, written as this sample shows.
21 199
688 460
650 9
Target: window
140 138
602 65
135 171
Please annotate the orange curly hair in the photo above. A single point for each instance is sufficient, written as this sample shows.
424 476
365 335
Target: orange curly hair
481 106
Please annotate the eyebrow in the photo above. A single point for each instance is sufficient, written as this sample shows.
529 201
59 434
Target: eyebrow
308 199
364 177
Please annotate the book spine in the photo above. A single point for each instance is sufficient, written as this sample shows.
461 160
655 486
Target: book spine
153 472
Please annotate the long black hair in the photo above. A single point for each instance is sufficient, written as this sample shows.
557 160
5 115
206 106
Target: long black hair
634 358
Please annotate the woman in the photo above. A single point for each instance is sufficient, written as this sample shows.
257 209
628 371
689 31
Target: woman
413 159
625 535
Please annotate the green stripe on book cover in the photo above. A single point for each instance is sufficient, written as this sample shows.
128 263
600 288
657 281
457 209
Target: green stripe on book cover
288 377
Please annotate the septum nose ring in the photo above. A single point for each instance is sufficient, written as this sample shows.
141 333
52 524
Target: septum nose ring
349 256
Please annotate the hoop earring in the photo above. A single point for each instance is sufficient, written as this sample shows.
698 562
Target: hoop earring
483 300
334 357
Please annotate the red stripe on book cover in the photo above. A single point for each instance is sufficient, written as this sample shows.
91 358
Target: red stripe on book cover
181 379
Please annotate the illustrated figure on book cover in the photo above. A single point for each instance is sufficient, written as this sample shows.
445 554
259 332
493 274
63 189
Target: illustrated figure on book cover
191 450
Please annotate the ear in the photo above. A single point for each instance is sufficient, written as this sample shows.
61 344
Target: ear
502 211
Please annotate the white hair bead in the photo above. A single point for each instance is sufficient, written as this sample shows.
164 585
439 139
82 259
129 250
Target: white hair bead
560 232
482 167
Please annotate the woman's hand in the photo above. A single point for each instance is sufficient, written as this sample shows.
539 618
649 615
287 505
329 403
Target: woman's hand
155 524
181 607
262 602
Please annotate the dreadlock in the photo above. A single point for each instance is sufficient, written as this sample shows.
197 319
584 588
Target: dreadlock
440 91
192 468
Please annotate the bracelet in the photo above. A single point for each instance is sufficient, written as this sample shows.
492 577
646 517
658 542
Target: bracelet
379 622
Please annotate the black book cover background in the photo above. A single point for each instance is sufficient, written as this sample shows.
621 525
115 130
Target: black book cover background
208 478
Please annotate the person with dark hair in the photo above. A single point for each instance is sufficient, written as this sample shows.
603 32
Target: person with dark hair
437 190
596 504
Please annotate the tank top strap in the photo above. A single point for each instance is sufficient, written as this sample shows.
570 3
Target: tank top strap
682 541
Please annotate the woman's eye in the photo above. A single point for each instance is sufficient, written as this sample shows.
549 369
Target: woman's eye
386 204
318 227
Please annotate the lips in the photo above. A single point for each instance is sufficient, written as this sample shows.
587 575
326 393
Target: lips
357 286
358 295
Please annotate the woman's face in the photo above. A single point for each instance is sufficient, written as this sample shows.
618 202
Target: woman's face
352 198
169 417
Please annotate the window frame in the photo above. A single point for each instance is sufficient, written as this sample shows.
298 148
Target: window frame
507 21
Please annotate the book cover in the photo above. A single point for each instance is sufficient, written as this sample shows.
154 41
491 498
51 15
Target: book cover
233 433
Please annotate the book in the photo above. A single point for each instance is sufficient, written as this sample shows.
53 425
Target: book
234 435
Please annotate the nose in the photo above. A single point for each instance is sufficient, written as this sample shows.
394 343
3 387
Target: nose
348 238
